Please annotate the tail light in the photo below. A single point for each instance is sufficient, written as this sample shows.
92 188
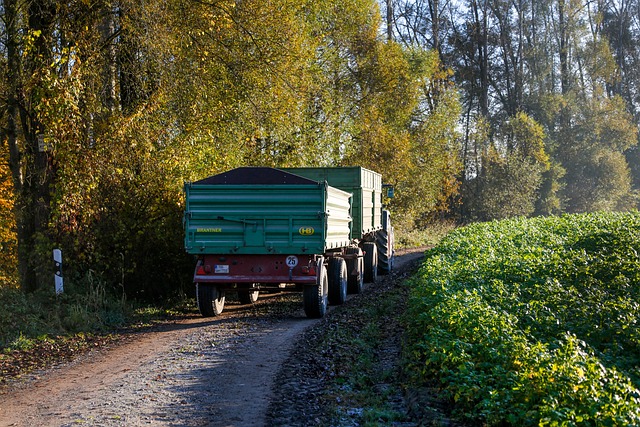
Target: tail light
201 269
310 270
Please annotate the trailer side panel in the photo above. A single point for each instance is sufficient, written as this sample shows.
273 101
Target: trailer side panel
252 218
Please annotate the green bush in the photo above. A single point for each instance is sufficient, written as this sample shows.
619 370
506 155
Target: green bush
533 322
22 316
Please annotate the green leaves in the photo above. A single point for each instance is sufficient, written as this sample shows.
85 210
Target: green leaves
533 322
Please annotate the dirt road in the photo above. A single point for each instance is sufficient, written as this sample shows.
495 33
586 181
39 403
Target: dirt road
199 372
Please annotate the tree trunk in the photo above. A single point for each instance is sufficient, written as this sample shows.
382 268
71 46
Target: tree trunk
13 96
434 11
107 33
389 20
483 63
30 166
564 47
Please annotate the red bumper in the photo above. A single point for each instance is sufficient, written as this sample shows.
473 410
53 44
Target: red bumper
255 269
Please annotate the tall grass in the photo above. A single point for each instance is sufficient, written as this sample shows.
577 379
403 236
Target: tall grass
85 306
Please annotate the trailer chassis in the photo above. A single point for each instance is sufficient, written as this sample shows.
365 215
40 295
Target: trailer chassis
323 279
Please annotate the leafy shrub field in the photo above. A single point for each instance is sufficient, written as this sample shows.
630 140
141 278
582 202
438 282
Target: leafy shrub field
533 321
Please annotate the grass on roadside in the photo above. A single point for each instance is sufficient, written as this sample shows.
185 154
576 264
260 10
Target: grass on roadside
364 344
427 236
364 348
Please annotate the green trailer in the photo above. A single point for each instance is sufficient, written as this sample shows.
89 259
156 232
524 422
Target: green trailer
371 222
259 229
366 188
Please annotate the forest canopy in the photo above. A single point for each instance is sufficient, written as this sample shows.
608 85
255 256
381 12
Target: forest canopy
471 110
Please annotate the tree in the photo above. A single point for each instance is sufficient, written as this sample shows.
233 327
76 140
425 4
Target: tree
508 188
406 128
597 174
131 98
558 61
511 171
31 165
61 104
423 23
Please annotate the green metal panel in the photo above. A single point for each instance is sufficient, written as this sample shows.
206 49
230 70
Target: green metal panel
244 218
338 218
365 186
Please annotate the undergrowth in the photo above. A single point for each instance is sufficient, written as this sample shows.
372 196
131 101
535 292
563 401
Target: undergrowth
419 237
85 307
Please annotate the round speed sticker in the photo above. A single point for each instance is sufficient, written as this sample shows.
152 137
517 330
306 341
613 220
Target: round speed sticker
292 261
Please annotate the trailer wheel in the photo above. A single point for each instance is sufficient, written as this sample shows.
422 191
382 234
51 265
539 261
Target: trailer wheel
355 271
210 299
384 241
315 296
248 297
370 262
337 281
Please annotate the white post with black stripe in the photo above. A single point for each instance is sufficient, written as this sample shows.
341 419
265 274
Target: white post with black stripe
57 258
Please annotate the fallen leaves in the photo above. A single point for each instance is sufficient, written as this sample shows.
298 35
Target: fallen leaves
46 352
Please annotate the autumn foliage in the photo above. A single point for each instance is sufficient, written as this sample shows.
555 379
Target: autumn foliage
8 243
111 107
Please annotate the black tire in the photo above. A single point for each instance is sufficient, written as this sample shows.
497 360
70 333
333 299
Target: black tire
315 296
337 281
248 297
210 299
370 262
384 241
355 271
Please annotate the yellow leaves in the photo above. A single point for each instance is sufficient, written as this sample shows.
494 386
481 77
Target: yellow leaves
524 136
8 239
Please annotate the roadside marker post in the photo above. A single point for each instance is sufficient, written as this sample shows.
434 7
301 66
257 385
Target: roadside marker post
57 258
